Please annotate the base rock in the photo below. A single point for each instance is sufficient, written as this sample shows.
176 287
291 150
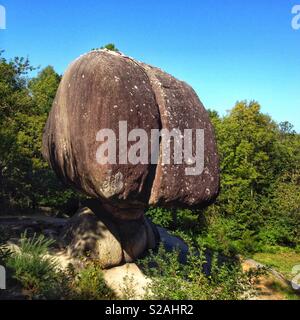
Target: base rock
94 234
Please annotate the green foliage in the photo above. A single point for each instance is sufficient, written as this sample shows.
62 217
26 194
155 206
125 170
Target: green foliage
280 258
110 47
260 187
258 206
37 273
180 219
172 280
43 89
26 182
259 200
89 284
13 86
160 216
36 246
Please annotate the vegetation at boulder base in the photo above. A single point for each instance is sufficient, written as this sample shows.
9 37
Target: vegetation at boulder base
257 212
172 280
39 276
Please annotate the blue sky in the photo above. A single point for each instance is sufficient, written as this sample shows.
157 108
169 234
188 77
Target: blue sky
228 50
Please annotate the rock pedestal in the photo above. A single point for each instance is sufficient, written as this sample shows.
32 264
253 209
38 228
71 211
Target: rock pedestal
93 233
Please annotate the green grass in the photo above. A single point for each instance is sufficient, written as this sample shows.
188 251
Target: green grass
37 273
281 259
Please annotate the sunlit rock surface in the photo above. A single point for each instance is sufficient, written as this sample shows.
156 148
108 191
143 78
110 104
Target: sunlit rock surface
99 91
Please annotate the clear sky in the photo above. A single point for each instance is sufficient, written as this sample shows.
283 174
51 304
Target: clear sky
228 50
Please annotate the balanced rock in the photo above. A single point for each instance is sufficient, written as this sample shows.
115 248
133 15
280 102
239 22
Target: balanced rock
103 97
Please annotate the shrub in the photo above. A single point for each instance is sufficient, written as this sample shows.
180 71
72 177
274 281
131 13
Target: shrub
89 284
41 277
38 274
160 216
172 280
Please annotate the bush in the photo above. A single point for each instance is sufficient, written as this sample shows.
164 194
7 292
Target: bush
89 284
160 216
172 280
40 276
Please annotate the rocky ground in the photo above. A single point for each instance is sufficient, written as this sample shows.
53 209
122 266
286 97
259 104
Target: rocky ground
272 286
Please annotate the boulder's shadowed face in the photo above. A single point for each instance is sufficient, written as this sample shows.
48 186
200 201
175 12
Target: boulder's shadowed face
98 91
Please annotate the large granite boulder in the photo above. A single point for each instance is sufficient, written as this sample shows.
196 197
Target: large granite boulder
107 90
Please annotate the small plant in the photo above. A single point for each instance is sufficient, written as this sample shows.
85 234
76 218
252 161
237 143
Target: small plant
128 290
36 246
89 284
38 274
160 216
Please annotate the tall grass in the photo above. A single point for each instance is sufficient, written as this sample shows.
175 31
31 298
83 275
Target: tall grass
36 272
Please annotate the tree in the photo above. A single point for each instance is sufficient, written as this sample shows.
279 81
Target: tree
286 128
259 161
25 178
14 95
43 89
